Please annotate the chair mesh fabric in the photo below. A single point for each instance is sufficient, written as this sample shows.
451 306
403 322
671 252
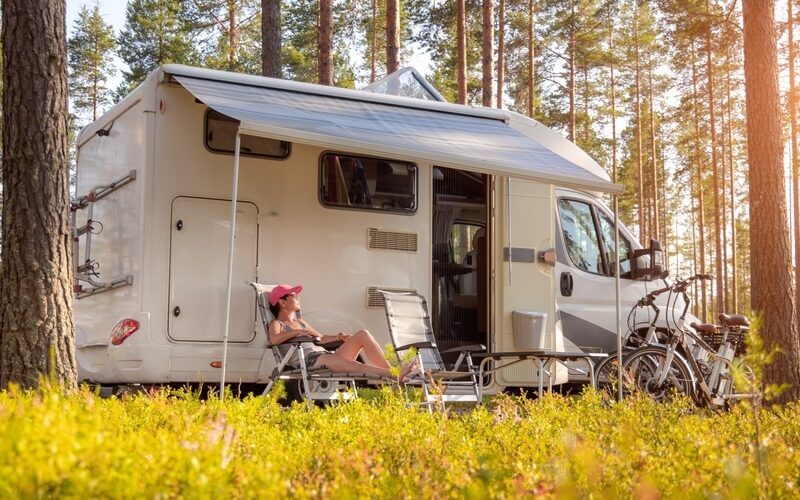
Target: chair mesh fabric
409 323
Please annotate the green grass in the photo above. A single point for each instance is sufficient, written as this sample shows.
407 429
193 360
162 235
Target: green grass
176 445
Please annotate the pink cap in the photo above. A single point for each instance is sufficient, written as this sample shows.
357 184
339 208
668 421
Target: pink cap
281 291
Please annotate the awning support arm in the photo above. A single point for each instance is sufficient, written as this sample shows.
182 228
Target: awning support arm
234 195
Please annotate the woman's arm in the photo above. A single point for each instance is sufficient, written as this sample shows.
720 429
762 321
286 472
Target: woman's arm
278 336
325 338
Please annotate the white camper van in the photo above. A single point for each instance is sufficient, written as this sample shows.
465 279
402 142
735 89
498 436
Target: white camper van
485 212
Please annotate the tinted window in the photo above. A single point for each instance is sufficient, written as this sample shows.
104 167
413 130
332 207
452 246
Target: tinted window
221 138
361 182
580 235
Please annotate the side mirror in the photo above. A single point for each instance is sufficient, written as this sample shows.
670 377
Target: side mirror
648 263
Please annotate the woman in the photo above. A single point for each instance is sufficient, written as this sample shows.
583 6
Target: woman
284 304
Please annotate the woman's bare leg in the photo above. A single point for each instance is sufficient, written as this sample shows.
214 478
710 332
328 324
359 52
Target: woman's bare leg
362 340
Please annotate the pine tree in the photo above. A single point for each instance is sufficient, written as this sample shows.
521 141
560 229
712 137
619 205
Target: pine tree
271 38
772 295
36 326
226 33
91 49
156 32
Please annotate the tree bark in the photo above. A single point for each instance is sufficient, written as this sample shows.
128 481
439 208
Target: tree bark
373 44
795 161
326 42
501 52
488 51
271 38
714 169
531 60
392 36
638 112
770 253
461 51
701 220
36 328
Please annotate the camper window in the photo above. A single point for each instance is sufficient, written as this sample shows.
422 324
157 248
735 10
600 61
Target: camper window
220 137
607 235
361 182
580 235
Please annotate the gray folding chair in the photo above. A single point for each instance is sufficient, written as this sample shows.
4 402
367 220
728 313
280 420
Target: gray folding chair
313 384
410 327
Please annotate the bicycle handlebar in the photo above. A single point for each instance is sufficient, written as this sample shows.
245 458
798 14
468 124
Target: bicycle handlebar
679 285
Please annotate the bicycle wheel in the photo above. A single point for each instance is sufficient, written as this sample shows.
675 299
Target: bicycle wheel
606 373
646 367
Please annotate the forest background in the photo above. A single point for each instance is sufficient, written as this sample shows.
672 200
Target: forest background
653 90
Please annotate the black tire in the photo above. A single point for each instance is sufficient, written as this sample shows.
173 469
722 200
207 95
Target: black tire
643 367
606 373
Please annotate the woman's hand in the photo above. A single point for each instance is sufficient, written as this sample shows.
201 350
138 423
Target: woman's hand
308 333
343 337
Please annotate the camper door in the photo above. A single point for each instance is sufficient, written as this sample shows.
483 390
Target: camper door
525 211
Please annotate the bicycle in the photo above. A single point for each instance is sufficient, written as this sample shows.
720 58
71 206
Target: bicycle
687 363
607 371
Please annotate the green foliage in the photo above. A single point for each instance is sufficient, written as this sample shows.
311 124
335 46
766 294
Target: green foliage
228 34
90 48
174 444
156 32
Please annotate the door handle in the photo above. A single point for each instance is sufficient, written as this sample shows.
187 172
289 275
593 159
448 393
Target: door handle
566 284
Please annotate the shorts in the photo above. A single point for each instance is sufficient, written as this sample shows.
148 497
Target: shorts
311 358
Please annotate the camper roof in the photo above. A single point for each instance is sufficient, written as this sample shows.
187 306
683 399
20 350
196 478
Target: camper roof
479 139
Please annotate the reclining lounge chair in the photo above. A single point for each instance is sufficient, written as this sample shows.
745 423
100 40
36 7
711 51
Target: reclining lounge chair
410 327
312 384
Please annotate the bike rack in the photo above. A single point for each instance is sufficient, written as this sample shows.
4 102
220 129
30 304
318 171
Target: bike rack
86 271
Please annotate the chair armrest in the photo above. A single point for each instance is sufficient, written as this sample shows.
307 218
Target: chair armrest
300 340
465 348
332 346
416 345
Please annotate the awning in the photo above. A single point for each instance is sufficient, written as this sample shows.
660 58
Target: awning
447 139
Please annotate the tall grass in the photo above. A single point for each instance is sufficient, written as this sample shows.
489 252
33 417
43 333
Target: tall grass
172 444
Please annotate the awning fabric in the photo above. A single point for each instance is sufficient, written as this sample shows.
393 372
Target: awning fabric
351 125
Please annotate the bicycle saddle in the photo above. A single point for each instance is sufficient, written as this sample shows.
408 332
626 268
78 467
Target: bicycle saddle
705 327
734 319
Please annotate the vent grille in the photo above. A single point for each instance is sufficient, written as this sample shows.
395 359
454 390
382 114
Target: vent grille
378 239
375 299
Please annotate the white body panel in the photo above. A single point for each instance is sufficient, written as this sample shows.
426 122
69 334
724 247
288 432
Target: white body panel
284 235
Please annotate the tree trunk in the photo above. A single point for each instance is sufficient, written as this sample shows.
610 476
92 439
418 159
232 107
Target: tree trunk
271 38
488 49
795 161
36 328
373 44
501 52
701 220
638 112
714 169
770 252
531 60
393 36
461 51
233 36
571 77
613 83
731 166
656 229
326 42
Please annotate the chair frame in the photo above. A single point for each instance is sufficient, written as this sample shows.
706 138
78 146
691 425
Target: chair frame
316 384
453 381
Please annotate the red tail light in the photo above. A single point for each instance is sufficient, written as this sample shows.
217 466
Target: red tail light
123 330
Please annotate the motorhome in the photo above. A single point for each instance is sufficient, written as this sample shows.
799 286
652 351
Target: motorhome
494 218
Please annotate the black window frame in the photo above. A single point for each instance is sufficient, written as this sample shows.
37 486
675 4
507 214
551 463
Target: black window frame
363 208
230 152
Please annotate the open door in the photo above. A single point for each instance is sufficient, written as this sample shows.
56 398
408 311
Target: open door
525 282
460 292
